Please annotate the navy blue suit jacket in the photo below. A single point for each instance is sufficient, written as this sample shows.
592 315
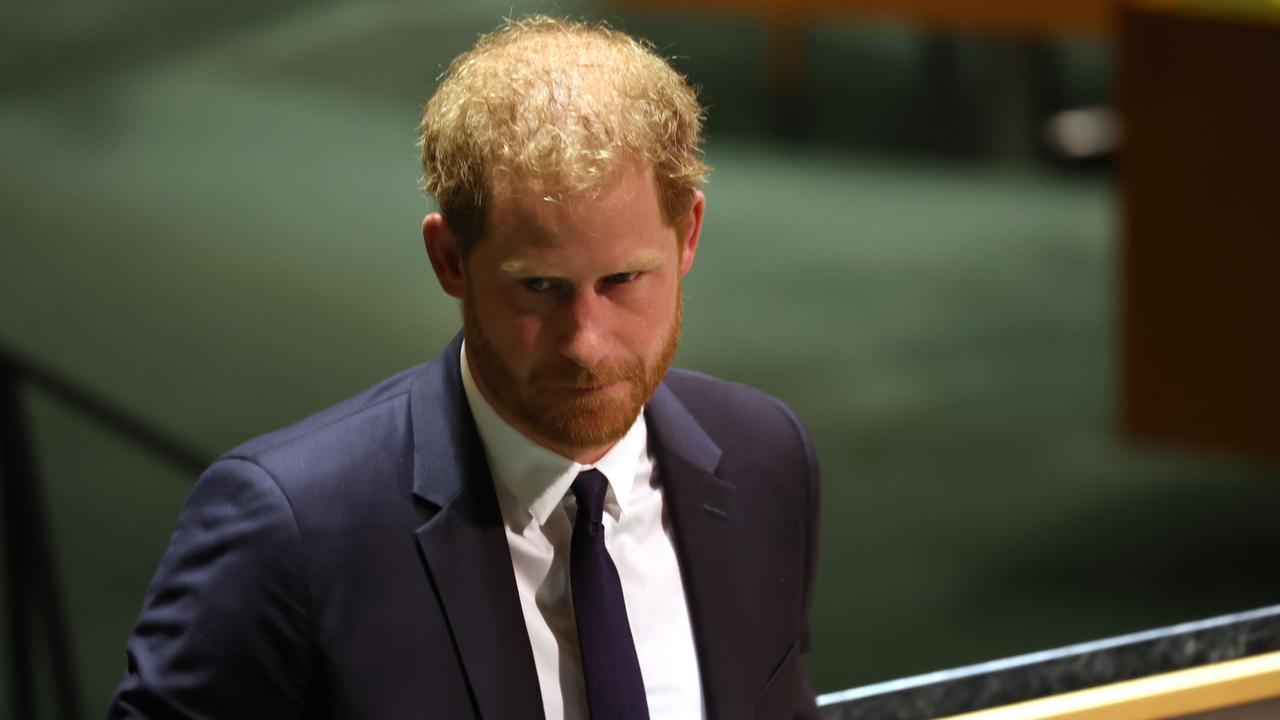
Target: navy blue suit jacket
354 565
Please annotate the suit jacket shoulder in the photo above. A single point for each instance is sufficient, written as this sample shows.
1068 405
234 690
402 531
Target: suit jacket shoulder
745 507
744 419
293 586
382 407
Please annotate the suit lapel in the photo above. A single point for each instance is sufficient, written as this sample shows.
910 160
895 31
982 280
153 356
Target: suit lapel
465 546
465 549
701 508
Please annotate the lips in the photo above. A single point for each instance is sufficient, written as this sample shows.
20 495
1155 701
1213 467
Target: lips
588 380
588 389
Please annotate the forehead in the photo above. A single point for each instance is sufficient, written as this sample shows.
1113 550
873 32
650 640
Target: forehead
626 207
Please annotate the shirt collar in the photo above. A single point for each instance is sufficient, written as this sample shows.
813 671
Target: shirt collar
537 477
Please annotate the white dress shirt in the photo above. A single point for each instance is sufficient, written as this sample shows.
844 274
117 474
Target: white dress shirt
532 484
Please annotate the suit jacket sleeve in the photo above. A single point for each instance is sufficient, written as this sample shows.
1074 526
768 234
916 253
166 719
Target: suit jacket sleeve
788 693
223 629
804 705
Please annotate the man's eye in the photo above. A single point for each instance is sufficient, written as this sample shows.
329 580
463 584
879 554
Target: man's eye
537 284
621 278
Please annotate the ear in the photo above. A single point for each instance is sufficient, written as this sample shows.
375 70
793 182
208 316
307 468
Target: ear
445 254
690 228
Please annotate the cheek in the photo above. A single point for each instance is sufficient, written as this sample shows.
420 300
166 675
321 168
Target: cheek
527 332
524 336
647 320
506 322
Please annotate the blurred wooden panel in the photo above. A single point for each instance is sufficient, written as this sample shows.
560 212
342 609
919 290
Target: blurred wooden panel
1019 16
1200 186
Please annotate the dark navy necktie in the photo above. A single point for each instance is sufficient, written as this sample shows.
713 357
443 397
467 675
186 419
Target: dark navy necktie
615 687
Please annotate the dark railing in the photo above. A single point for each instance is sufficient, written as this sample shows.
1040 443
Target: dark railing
35 598
1068 669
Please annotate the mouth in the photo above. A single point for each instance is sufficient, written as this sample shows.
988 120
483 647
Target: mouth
580 390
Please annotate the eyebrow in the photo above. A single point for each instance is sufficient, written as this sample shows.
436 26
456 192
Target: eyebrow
523 267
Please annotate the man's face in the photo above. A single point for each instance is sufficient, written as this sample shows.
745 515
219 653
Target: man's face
571 310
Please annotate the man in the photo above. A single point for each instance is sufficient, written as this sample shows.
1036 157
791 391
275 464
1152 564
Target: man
541 521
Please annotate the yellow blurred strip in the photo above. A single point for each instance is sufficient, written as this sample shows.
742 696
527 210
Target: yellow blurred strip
1247 11
1233 682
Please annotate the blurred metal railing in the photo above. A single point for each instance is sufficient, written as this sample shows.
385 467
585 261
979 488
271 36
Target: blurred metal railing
32 583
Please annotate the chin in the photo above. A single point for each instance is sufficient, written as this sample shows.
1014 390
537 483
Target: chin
597 417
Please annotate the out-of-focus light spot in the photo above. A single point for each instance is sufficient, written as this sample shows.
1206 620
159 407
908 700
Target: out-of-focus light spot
1084 132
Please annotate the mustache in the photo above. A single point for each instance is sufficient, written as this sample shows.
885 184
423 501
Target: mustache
580 378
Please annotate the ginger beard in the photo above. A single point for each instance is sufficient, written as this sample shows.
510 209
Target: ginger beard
552 402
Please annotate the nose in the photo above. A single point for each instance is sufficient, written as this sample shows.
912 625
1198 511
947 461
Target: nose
582 338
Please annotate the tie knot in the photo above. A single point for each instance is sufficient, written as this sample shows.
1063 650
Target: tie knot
589 488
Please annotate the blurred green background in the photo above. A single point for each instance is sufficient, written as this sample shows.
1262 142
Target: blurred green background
208 216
